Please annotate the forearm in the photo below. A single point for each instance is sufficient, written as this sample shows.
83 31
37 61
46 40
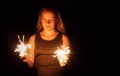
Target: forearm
29 62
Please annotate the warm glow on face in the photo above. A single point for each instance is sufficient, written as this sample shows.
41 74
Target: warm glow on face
48 20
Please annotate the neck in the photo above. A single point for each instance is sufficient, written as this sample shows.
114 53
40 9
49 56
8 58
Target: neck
49 32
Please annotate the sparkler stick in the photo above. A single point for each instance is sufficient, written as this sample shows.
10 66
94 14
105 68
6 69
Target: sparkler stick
22 47
63 55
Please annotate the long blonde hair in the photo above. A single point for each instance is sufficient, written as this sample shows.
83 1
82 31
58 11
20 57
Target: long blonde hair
59 23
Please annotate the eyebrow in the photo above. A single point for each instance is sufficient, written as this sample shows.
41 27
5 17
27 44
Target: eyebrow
48 19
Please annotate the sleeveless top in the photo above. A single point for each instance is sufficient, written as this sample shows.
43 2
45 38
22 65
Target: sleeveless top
45 63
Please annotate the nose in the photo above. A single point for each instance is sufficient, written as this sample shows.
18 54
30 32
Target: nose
48 21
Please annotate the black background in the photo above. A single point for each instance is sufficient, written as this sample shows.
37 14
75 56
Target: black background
86 25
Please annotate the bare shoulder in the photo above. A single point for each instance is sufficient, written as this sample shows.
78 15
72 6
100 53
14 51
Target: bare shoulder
65 37
32 37
66 41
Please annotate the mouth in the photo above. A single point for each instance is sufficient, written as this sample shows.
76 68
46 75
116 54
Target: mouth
48 26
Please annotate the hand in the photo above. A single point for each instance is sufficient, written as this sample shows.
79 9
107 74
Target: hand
25 58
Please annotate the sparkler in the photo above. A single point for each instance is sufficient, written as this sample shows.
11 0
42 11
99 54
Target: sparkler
22 47
63 55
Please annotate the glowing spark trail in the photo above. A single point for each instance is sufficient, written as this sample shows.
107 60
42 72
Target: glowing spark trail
63 55
22 47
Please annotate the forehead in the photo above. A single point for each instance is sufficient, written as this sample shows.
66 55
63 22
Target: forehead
47 14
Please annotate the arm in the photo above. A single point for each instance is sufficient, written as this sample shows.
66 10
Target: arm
30 56
66 42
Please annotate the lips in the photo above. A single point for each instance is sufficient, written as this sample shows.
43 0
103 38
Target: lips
47 26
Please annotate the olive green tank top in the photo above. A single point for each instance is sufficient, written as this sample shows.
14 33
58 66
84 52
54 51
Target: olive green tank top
45 62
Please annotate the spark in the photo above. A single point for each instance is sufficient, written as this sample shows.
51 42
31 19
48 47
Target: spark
22 47
63 55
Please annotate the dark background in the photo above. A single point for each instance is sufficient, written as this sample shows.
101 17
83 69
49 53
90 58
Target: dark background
86 25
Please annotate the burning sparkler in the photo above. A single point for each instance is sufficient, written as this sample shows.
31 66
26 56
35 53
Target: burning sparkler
63 55
22 47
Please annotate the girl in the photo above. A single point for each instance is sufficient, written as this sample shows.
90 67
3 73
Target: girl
50 34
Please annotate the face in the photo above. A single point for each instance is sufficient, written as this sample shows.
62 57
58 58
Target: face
48 20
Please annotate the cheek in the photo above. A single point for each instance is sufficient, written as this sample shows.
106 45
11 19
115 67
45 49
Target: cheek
53 24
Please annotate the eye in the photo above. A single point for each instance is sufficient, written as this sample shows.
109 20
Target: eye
51 21
48 21
43 20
